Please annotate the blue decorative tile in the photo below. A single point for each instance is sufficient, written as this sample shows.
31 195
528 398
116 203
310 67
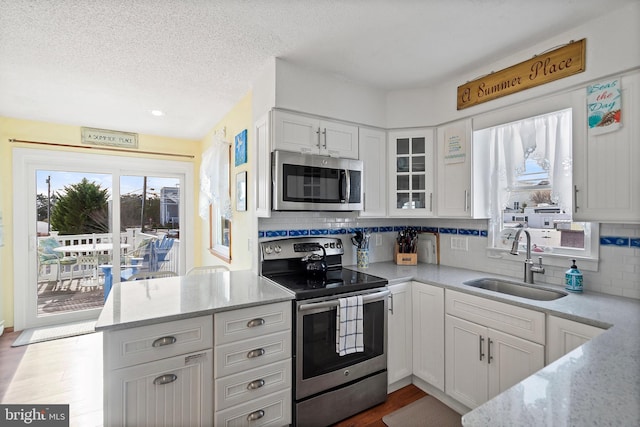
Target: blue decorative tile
260 234
386 229
374 229
276 233
318 231
335 231
614 241
635 243
430 229
448 230
399 227
483 233
298 233
468 232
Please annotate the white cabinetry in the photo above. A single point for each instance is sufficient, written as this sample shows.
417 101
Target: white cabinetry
428 333
252 369
455 197
159 375
490 346
606 176
262 166
564 335
411 173
308 134
373 153
399 333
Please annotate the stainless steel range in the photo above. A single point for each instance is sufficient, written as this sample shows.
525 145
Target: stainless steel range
329 387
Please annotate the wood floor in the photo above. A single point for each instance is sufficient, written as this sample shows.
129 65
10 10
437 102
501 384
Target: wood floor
69 371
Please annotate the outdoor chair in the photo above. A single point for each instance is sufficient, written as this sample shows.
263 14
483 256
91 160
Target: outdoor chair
48 257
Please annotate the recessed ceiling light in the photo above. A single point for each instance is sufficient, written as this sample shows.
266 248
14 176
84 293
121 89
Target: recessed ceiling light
157 113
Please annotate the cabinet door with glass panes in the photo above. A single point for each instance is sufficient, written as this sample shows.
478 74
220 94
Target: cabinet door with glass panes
411 173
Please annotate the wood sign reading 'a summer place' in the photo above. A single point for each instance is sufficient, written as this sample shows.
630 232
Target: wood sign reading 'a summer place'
556 64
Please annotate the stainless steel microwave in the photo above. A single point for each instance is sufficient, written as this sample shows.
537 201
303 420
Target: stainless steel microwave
308 182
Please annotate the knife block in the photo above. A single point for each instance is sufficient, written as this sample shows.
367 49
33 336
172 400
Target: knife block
404 259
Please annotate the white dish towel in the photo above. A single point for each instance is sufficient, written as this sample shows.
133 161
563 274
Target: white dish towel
349 338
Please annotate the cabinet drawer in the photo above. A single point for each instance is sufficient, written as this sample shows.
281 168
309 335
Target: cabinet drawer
240 356
272 410
240 388
147 343
518 321
252 322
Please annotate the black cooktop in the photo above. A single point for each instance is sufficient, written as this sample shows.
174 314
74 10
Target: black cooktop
334 281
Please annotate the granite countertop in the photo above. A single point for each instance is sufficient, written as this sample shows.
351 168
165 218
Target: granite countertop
595 384
145 302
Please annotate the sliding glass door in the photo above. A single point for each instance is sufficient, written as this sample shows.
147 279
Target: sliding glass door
84 222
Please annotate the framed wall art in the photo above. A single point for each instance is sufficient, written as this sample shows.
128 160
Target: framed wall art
241 148
241 191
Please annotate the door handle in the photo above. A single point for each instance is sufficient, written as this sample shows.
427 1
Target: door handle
481 341
575 198
324 132
391 303
489 353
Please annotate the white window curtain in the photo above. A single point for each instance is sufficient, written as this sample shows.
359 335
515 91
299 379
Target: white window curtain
544 139
214 179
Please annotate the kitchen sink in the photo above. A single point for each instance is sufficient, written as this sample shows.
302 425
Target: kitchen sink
516 289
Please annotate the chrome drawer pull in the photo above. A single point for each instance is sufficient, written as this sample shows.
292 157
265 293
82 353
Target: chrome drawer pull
255 322
164 341
255 415
165 379
255 384
256 353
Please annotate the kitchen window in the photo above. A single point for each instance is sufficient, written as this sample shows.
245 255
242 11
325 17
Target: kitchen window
530 179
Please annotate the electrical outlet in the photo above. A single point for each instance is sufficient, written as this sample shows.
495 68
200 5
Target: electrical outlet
378 240
460 243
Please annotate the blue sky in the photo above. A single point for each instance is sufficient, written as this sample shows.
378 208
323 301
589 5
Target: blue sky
129 184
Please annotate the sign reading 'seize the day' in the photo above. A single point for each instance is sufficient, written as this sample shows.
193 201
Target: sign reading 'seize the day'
556 64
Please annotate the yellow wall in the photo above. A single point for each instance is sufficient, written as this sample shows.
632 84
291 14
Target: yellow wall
236 120
63 134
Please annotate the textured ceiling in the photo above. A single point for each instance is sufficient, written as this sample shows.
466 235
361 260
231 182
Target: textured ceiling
107 63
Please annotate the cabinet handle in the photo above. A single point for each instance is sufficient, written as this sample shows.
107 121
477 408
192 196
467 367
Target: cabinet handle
255 322
466 198
575 198
481 342
255 415
430 202
165 379
255 384
324 132
391 301
489 353
318 133
160 342
256 353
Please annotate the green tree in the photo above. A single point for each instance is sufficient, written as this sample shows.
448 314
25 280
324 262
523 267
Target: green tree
81 208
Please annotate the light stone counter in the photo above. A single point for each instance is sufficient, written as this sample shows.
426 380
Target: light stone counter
145 302
596 384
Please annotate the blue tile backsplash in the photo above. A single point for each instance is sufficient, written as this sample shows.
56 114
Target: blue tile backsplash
376 229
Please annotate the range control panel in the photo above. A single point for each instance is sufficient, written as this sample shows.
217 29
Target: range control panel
299 247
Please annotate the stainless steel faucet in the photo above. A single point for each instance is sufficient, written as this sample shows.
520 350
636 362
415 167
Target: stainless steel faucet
529 266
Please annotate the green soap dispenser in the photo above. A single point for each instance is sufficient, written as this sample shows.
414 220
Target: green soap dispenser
573 278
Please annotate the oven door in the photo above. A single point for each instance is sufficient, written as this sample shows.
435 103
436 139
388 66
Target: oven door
318 366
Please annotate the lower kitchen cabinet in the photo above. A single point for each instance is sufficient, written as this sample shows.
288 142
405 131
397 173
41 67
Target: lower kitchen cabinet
564 335
428 333
399 333
482 362
485 355
167 392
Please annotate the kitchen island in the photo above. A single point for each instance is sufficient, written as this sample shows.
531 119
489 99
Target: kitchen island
598 383
211 349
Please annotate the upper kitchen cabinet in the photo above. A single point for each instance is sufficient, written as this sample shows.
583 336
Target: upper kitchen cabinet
373 153
411 173
262 165
455 195
307 134
606 176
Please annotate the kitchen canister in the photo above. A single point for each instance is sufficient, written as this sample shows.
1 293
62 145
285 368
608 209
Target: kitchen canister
362 256
573 278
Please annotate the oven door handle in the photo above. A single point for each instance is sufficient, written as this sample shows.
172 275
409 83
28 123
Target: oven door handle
335 302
